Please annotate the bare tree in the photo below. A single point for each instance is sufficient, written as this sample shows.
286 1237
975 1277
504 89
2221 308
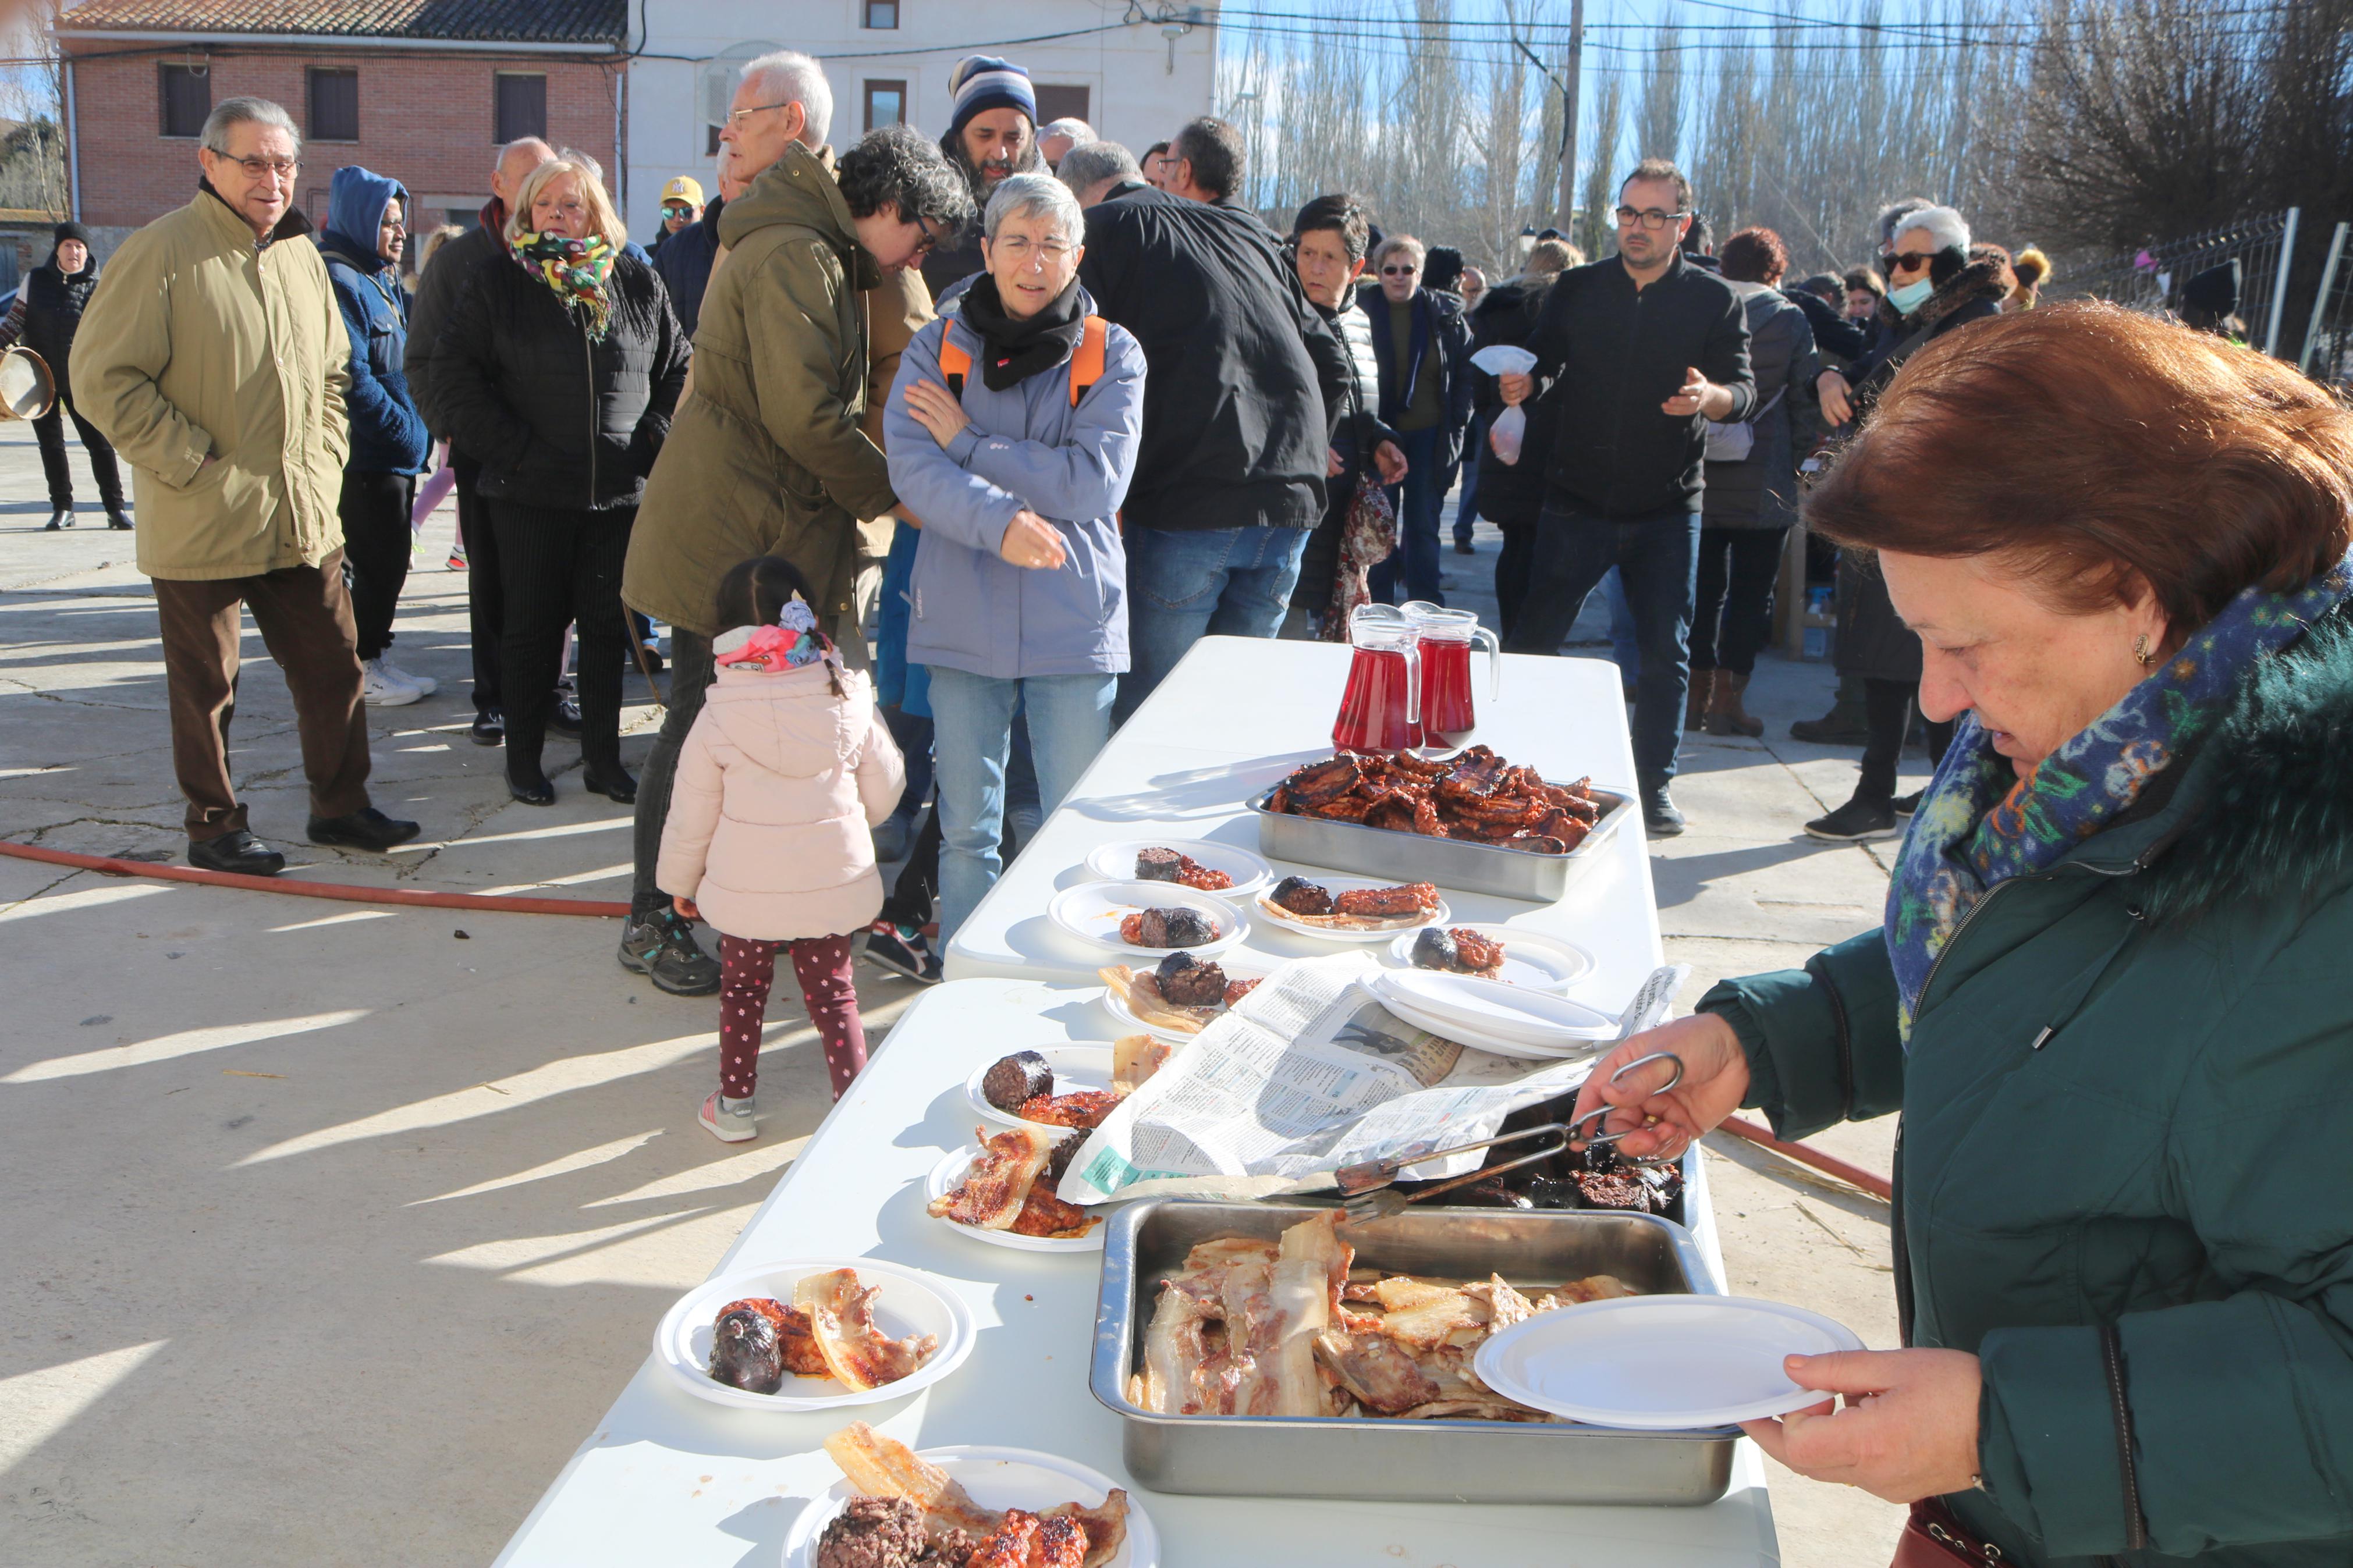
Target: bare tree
1658 122
1601 167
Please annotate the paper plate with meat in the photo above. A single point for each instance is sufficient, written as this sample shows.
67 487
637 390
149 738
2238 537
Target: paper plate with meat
1351 909
1181 996
1067 1087
895 1507
1512 954
1147 920
1002 1191
814 1335
1203 864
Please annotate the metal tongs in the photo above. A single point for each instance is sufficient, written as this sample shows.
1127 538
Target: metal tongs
1370 1185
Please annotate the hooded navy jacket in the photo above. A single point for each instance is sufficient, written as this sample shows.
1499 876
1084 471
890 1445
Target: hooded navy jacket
388 435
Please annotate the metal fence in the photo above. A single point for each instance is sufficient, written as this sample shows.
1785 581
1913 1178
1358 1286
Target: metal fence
2327 352
2153 279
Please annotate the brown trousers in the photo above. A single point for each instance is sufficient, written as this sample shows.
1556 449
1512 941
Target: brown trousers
304 614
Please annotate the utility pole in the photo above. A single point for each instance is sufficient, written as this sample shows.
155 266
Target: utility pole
1564 219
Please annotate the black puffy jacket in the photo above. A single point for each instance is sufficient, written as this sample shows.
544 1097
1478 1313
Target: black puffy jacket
557 420
53 307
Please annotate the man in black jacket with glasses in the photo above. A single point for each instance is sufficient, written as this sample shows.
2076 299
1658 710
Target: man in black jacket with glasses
1645 350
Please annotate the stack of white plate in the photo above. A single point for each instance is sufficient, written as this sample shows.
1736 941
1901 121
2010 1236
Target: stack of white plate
1493 1015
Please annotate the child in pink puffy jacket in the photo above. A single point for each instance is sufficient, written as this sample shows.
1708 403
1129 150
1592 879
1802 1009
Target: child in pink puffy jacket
786 772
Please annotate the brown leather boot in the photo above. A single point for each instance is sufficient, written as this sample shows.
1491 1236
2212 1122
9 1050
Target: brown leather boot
1695 705
1725 714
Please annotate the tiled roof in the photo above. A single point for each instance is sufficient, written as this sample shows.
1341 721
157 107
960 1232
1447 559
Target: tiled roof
473 21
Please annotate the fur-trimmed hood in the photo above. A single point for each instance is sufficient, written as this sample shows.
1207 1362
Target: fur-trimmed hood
2262 812
1977 280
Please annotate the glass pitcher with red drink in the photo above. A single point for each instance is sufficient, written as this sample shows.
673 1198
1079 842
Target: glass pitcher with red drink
1380 708
1445 639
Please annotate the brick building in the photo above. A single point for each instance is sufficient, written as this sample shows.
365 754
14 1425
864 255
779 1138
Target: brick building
419 91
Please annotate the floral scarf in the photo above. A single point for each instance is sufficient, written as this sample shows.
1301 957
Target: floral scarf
578 271
1981 823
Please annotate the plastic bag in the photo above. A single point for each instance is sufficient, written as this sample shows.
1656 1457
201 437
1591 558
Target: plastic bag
1504 437
1509 427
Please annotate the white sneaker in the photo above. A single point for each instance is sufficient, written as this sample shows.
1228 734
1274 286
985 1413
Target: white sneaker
425 685
380 687
729 1124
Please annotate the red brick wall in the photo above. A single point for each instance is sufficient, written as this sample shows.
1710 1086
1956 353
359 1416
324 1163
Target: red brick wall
426 119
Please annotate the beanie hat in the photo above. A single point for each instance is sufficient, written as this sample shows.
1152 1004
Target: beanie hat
66 231
982 82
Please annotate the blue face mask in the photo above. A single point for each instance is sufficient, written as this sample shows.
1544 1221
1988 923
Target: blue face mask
1911 295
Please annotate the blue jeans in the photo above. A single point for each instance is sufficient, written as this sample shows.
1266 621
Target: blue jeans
1069 719
1657 558
1474 452
1625 644
1419 502
1187 584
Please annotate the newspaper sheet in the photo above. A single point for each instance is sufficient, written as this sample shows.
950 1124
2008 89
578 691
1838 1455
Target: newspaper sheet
1309 1073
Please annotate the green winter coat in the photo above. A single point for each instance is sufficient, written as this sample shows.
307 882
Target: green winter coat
2123 1179
768 454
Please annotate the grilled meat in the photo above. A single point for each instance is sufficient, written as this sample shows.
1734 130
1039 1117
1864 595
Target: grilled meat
1079 1108
1387 903
745 1352
802 1358
1016 1080
873 1533
1301 896
1179 927
1157 865
1456 952
1188 982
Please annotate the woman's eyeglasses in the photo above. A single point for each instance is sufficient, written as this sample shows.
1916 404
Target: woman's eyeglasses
1019 249
1399 271
1908 260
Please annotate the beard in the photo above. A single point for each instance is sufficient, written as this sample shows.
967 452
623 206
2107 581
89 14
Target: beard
976 176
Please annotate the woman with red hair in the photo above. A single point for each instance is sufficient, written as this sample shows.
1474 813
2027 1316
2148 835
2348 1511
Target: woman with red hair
2108 992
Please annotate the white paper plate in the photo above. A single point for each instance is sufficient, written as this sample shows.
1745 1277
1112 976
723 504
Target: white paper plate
1266 908
997 1479
1074 1068
1116 862
911 1302
1531 959
1661 1363
948 1175
1237 965
1092 912
1539 1018
1484 1041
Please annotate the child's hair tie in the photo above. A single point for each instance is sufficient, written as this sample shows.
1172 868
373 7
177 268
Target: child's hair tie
794 643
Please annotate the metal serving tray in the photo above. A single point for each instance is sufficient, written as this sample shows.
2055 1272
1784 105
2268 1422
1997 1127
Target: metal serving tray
1390 1460
1446 862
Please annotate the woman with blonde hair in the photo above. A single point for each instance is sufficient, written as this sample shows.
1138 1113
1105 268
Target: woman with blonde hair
562 370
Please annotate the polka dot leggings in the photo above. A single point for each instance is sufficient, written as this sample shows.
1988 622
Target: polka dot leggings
823 965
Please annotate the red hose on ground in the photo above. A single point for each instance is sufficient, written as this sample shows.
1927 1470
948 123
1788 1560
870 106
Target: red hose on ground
410 898
1829 1164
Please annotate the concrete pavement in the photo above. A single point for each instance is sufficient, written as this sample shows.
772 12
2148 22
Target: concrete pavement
335 1228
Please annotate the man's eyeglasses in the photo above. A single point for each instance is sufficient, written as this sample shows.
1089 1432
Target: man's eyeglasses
1017 250
736 118
1650 217
932 236
1399 271
1907 260
262 168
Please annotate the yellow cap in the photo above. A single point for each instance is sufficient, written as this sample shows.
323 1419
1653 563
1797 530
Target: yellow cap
686 187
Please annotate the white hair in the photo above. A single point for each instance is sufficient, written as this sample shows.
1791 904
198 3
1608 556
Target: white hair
1944 224
1027 195
794 77
230 113
1091 163
1069 125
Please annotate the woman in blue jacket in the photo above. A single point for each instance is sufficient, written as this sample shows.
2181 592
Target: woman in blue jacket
1012 433
368 231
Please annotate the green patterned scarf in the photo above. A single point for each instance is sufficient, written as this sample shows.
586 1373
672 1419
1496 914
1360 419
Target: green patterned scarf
578 271
1982 823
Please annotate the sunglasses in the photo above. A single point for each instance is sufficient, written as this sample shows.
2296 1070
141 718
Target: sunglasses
1908 260
1399 271
678 210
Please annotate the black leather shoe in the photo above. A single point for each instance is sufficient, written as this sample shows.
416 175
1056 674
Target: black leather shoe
613 783
240 851
1661 819
366 829
61 518
119 520
533 791
565 719
490 729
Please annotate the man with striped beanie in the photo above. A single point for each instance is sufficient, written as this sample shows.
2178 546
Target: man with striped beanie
992 132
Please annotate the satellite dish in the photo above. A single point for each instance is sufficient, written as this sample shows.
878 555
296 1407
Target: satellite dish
27 386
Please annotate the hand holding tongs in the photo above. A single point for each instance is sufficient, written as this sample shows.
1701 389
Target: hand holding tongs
1369 1184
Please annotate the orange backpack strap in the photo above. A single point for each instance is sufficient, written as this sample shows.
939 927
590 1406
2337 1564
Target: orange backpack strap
956 362
1087 363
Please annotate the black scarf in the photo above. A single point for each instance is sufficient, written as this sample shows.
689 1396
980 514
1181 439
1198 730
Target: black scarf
1019 349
